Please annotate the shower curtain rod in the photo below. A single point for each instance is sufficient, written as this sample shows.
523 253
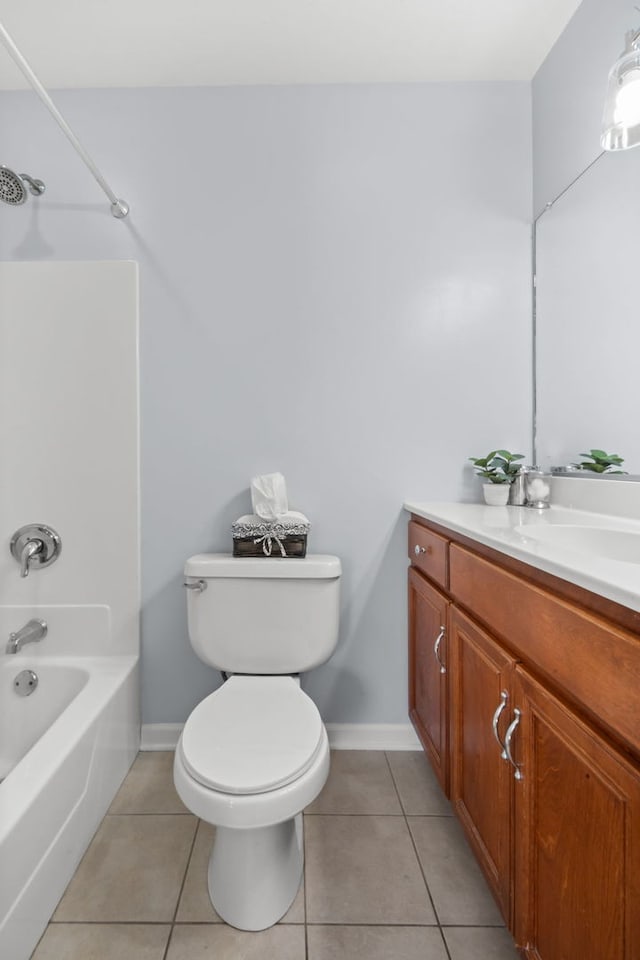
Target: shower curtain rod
119 208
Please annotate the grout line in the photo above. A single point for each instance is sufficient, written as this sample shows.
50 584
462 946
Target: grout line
433 906
420 867
112 923
169 939
182 885
152 813
304 887
397 816
186 871
395 785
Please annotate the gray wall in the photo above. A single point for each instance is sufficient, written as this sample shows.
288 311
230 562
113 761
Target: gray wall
335 284
569 91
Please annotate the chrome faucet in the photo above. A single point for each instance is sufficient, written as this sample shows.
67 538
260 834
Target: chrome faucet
29 550
32 631
35 545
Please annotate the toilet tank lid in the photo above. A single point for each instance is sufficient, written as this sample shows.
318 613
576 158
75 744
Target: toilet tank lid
312 567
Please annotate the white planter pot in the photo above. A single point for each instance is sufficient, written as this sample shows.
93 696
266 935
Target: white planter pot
496 494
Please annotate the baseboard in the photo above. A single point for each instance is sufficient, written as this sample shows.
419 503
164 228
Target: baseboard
160 736
342 736
372 736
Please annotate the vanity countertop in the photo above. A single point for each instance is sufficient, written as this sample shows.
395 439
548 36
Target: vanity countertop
575 551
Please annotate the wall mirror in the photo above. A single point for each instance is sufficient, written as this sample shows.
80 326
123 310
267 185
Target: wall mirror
587 325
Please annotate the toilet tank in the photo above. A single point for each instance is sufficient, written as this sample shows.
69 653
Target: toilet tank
263 615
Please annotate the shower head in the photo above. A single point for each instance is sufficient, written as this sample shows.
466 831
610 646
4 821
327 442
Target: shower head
12 187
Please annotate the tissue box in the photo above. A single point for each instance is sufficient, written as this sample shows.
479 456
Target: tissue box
254 537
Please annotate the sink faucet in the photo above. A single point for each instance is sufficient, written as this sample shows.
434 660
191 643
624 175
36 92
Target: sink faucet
29 550
32 631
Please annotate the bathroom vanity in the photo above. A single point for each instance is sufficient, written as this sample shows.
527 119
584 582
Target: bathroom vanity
524 688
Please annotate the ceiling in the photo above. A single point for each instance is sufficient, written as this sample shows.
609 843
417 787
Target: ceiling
131 43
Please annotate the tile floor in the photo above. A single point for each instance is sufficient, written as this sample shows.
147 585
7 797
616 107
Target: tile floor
388 876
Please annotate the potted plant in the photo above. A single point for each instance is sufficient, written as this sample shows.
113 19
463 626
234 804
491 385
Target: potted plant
497 470
600 462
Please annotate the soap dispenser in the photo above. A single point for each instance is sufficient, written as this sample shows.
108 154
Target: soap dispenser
518 490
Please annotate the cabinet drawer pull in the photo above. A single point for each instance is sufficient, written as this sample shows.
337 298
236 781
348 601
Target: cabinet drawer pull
511 729
436 649
418 550
504 696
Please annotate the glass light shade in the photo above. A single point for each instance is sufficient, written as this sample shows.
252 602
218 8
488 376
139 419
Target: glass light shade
621 121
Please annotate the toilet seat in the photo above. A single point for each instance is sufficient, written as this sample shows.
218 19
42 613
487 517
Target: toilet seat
251 736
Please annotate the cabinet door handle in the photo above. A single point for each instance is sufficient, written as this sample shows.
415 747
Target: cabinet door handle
511 729
436 649
504 696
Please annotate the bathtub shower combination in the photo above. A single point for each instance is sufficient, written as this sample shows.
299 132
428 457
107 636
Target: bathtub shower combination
69 616
67 739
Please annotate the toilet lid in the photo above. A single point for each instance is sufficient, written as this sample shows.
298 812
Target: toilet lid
252 735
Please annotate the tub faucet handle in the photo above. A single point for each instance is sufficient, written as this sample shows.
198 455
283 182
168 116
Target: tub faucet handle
29 550
35 545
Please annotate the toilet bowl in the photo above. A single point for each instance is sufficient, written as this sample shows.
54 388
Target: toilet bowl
255 753
251 756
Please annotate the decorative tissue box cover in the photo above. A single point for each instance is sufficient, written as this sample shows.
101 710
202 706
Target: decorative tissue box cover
253 537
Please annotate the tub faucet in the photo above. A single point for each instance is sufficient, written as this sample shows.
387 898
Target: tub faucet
32 631
29 550
35 545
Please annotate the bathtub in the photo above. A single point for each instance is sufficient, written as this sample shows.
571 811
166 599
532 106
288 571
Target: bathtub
64 751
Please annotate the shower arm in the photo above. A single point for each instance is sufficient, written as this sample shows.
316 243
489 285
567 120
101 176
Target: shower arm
119 208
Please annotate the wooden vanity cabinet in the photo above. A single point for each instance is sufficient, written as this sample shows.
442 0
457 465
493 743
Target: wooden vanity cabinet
543 750
577 836
480 679
428 700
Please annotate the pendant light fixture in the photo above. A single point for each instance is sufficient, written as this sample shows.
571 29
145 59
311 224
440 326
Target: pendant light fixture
621 121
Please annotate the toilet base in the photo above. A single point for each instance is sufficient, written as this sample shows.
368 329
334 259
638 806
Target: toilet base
254 874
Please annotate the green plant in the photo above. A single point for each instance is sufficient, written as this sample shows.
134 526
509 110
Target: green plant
499 466
600 462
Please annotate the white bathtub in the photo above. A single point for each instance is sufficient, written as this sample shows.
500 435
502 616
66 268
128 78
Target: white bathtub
64 751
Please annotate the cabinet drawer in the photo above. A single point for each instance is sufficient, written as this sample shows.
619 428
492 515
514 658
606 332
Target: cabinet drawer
429 552
595 664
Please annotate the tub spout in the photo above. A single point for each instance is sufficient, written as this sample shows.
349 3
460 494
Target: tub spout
32 631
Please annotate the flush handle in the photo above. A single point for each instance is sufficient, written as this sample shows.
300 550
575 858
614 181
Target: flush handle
199 585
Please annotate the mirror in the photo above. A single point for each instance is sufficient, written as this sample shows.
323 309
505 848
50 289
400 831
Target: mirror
587 325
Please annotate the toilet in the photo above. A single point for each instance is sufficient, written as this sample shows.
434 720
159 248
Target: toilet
255 752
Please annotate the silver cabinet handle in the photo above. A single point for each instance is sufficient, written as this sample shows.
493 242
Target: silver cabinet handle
199 585
436 649
418 550
504 696
511 729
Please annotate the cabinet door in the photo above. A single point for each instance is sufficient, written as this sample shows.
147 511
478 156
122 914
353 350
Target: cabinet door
577 836
481 780
427 672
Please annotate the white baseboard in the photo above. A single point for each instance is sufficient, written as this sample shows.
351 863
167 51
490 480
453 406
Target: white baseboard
372 736
342 736
160 736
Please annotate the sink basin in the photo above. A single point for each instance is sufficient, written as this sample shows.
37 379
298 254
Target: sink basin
595 541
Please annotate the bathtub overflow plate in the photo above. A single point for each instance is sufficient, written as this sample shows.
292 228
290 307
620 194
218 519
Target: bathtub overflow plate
25 683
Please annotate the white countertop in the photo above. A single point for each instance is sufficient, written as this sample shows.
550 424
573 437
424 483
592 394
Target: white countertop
497 527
